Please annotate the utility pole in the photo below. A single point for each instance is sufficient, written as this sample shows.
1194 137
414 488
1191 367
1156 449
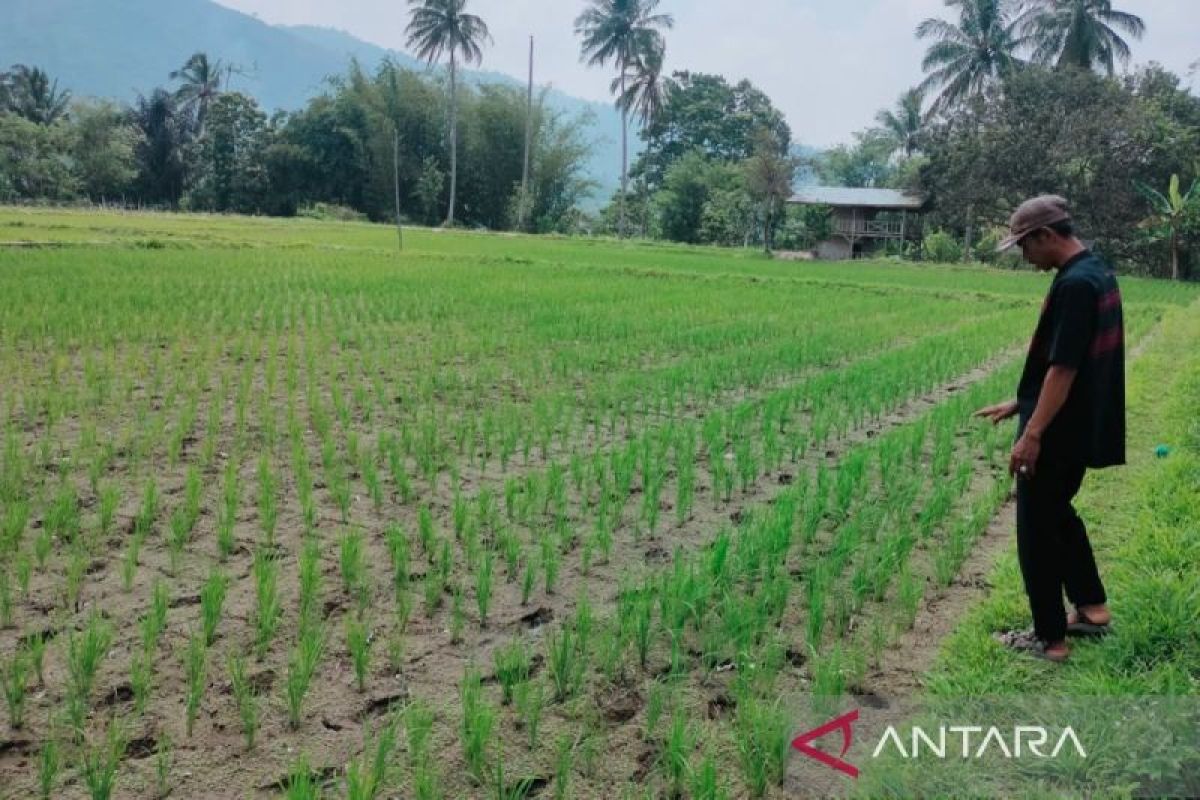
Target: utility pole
528 143
396 181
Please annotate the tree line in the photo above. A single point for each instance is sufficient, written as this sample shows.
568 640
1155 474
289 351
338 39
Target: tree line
417 145
199 146
1021 98
421 146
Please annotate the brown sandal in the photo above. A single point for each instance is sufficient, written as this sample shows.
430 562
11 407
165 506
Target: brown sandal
1083 626
1028 643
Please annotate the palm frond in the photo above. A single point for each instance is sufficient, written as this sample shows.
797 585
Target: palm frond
943 53
942 30
1081 33
440 27
1130 23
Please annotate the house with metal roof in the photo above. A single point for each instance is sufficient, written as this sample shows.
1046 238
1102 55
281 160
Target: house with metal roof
862 220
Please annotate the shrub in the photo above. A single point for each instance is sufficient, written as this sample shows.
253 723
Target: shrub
331 211
985 249
942 247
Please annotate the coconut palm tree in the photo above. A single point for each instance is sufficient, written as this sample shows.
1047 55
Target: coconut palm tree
622 31
439 27
1080 33
31 94
646 90
201 84
968 56
906 122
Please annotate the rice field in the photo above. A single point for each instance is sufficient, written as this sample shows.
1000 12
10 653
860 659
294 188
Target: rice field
286 513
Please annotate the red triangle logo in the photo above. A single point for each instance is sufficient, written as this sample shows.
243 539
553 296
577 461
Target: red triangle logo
843 723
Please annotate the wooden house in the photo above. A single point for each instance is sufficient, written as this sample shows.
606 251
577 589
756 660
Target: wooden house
862 220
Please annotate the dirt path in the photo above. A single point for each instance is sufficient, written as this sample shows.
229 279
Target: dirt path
911 654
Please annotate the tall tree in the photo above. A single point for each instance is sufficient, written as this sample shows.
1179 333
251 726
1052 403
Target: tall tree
906 122
159 150
969 55
335 131
1080 33
706 112
443 26
200 84
103 142
769 175
33 160
622 31
32 95
688 186
229 170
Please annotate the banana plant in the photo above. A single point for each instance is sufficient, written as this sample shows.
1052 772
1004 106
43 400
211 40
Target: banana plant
1174 214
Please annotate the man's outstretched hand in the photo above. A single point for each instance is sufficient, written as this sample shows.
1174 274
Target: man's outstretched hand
999 412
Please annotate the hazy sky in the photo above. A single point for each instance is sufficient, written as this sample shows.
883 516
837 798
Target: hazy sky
828 64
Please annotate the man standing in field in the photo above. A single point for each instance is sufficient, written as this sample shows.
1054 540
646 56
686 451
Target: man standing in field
1071 407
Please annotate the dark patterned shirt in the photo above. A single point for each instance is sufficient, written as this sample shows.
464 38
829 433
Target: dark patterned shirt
1081 326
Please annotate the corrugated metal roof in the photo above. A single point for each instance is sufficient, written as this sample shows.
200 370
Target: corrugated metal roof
862 198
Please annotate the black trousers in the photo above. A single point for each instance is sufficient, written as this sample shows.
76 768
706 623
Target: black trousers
1053 546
